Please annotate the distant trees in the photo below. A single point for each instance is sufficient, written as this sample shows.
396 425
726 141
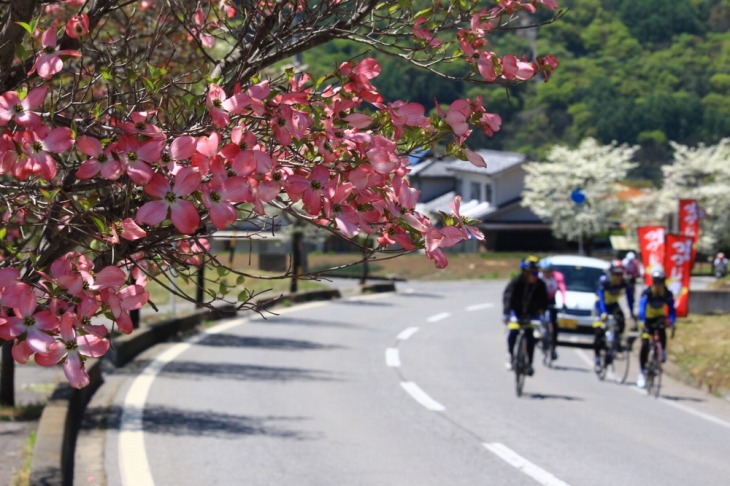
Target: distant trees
593 169
641 73
701 173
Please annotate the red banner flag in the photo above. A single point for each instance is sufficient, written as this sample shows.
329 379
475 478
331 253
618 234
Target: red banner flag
651 246
689 222
678 266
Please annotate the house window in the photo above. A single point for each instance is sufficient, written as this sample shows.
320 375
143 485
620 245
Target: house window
476 191
488 191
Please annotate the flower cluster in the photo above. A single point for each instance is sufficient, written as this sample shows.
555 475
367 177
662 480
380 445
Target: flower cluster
117 191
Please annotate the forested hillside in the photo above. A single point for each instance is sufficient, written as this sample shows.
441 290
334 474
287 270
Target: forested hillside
637 72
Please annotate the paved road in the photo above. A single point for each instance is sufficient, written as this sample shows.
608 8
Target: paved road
404 388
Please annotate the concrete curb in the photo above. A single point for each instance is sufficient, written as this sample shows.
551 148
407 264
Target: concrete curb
60 422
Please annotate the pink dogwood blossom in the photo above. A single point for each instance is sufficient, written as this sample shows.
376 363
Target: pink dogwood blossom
171 200
48 61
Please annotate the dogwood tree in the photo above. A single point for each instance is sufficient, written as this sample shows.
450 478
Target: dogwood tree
701 173
591 169
131 129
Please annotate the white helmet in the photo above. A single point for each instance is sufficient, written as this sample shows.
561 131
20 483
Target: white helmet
630 255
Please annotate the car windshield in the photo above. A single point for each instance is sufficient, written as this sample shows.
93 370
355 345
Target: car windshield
580 279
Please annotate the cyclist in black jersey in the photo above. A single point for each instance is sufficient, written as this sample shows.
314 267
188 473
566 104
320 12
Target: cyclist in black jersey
525 298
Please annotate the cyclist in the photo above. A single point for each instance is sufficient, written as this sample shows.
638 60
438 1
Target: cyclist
656 304
525 297
554 283
632 272
719 264
610 289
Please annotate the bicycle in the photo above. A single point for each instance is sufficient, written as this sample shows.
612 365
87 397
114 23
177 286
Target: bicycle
653 371
520 360
615 353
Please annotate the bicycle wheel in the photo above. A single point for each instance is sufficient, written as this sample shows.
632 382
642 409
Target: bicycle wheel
520 364
653 371
650 374
657 370
622 360
602 367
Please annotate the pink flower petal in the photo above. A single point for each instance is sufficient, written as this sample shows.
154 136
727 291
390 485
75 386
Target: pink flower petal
185 217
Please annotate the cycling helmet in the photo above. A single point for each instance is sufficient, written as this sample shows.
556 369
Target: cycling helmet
546 265
529 263
616 268
658 276
630 255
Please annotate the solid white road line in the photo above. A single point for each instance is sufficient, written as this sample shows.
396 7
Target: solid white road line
133 463
392 358
438 317
420 396
407 333
520 463
477 307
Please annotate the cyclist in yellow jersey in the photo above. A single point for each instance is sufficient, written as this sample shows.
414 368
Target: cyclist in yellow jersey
611 288
656 305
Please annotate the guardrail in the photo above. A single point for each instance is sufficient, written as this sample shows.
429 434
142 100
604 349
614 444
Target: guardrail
709 301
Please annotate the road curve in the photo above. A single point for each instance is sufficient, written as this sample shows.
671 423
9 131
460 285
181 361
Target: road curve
403 388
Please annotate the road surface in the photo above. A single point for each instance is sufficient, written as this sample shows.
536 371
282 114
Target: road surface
405 388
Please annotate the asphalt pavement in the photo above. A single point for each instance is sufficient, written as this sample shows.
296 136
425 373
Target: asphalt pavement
34 385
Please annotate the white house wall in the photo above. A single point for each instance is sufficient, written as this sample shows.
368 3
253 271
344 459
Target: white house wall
506 185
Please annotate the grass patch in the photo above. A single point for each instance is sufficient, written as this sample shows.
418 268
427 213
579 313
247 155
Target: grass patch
229 286
31 411
701 350
22 478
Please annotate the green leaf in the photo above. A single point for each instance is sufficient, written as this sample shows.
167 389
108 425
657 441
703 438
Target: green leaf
49 195
240 280
222 271
26 26
99 223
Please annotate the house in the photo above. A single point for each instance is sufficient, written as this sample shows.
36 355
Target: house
490 195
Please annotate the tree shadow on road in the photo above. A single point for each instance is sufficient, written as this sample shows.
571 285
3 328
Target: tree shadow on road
298 321
200 423
234 341
228 371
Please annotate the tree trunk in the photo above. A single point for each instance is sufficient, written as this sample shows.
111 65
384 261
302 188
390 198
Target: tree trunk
296 260
7 376
200 290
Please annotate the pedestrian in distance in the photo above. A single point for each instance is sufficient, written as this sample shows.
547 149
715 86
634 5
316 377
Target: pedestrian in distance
633 271
554 283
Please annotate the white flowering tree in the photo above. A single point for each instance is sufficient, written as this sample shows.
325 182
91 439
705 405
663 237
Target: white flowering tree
591 168
701 173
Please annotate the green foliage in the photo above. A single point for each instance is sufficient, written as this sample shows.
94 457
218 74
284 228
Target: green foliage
646 72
